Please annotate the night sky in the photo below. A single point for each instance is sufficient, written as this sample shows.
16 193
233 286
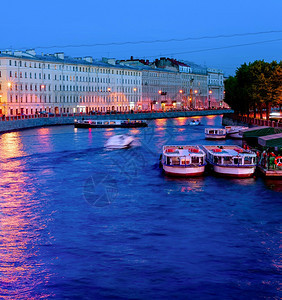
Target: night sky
43 24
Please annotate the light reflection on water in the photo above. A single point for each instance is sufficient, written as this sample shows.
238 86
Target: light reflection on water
160 238
20 225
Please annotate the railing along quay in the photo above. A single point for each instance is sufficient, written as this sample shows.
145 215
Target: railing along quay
250 121
12 123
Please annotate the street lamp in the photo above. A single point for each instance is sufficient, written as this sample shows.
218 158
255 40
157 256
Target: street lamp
195 102
210 92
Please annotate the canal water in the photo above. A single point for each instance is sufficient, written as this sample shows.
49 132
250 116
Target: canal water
78 221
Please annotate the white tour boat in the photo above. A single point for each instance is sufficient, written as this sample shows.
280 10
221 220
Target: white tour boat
120 141
215 133
235 132
232 161
183 160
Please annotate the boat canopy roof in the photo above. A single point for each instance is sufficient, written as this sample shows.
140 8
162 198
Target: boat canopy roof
229 151
259 131
183 151
273 140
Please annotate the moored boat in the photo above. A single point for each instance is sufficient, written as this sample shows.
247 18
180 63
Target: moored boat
232 161
235 132
215 133
109 123
183 160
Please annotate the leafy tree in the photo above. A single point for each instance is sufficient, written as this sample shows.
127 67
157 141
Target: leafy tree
256 86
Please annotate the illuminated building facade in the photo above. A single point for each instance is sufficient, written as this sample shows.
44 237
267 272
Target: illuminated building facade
31 83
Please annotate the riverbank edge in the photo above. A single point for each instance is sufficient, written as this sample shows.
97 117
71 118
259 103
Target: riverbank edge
17 125
230 119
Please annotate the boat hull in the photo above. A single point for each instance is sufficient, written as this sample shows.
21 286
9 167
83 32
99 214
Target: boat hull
240 172
213 136
184 171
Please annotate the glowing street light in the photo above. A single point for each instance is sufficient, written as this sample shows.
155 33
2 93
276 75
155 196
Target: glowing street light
180 91
109 89
9 84
159 91
210 92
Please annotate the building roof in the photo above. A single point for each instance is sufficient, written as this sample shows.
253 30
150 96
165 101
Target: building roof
55 58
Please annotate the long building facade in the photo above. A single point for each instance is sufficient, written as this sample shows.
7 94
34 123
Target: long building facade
31 83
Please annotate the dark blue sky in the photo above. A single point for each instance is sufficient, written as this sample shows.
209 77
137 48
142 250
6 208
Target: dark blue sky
53 23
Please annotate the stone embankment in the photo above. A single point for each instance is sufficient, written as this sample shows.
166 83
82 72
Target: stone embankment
230 119
23 122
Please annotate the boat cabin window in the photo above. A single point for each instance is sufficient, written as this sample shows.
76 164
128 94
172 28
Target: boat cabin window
248 160
168 160
217 159
227 160
175 160
195 160
237 161
106 123
99 123
112 122
185 161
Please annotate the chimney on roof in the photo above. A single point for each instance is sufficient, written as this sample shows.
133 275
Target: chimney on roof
88 59
7 52
131 57
18 53
60 55
30 52
110 61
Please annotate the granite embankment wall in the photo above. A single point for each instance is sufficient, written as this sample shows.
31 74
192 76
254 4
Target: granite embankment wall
25 122
232 119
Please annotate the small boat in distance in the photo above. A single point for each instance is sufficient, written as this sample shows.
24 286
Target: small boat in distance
235 132
193 122
215 133
109 123
183 160
120 141
232 161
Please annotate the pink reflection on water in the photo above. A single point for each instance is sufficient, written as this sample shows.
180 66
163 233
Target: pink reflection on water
20 268
109 132
211 120
181 121
160 124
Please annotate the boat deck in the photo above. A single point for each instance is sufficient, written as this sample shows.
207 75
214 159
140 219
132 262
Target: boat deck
231 150
182 151
270 173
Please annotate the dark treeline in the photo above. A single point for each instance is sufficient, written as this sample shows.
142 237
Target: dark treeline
256 87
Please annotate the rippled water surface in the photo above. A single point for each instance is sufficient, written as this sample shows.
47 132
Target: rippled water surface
80 222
